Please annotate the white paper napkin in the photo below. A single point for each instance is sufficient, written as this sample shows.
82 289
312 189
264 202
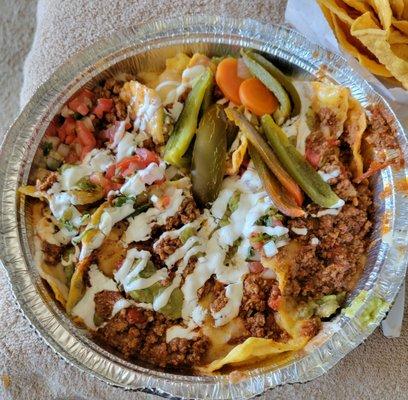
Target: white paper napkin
307 17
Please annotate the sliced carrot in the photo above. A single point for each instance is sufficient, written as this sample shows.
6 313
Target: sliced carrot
228 80
257 97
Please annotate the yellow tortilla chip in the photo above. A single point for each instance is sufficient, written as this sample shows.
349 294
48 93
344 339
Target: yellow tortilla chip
328 15
335 98
336 10
356 124
77 287
254 349
366 30
53 275
135 94
384 12
372 65
401 25
237 156
397 37
400 50
397 7
359 5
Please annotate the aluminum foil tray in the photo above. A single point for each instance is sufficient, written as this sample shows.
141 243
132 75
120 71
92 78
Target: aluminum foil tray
145 48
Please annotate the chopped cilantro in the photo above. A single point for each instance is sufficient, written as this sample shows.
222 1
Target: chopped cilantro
141 208
86 185
122 200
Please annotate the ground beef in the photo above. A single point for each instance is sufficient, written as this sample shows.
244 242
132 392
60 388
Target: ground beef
48 181
148 246
167 246
258 307
220 300
311 327
328 122
256 294
264 325
104 302
187 212
381 135
147 340
332 265
51 252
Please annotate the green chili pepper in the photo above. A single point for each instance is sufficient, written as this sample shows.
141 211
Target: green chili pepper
209 155
297 166
186 125
282 200
266 153
280 77
284 110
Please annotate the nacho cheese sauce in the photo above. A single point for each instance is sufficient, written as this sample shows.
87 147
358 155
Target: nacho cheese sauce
133 256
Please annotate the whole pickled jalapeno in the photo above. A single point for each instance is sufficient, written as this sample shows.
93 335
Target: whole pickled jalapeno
297 166
265 151
282 200
209 155
186 125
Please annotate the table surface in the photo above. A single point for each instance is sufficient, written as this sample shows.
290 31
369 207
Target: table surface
28 368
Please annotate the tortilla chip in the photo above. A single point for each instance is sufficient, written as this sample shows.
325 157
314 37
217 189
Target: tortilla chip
358 5
375 39
397 37
372 65
335 98
400 50
77 287
254 349
328 15
336 10
355 125
53 275
235 160
401 25
384 12
397 7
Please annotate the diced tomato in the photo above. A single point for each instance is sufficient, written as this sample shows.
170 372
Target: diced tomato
274 303
256 267
85 135
106 184
82 102
67 128
110 172
70 138
102 106
275 298
163 202
140 160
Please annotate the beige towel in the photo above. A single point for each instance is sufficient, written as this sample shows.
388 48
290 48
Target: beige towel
29 369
